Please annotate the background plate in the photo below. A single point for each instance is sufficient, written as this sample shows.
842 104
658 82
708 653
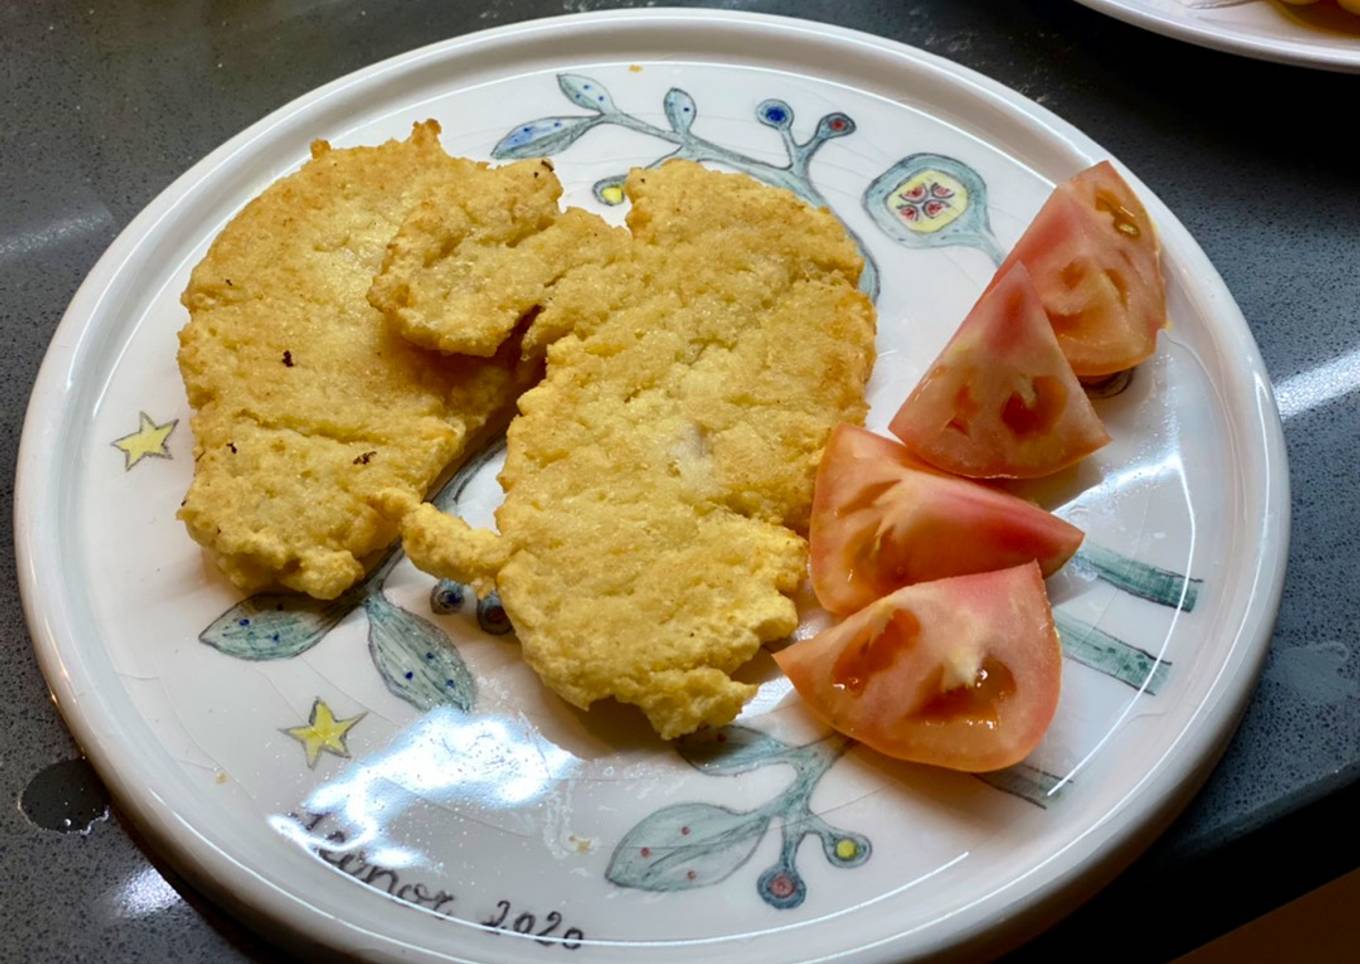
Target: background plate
513 828
1313 36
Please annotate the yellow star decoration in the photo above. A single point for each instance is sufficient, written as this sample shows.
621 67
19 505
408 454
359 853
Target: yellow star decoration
323 732
149 439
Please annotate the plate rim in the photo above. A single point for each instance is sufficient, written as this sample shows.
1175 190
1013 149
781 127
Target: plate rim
1295 53
1157 797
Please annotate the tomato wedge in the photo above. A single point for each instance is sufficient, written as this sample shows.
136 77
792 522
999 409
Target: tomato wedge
882 520
1093 253
1001 401
962 673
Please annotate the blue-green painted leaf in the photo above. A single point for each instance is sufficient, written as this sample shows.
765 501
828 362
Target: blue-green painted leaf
685 846
417 661
1113 657
1029 783
680 109
586 92
276 625
775 113
539 138
1162 586
730 749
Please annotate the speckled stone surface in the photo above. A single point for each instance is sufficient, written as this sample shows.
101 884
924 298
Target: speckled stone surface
101 106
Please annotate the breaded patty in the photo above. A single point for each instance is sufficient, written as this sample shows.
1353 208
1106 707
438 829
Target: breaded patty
459 280
657 479
307 403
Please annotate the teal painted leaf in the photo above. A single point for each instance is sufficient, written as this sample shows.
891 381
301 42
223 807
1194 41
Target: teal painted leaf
539 138
1162 586
1113 657
276 625
685 846
1029 783
417 661
680 109
586 92
731 749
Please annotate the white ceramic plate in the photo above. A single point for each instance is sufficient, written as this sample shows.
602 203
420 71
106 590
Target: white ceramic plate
504 826
1320 36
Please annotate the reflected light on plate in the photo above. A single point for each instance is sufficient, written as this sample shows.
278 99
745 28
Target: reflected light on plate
445 757
1317 386
1168 466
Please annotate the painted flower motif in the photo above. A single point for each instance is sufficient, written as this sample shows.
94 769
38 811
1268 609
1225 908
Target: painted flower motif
924 200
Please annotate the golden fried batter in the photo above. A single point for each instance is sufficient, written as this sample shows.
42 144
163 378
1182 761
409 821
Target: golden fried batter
656 479
458 279
306 402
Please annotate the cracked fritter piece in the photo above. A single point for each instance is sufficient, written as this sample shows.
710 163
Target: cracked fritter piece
657 478
307 403
458 277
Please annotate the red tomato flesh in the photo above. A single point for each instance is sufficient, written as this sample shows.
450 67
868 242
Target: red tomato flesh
1001 401
882 520
1093 254
963 673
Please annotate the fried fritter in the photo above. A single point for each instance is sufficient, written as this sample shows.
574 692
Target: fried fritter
460 280
306 402
656 480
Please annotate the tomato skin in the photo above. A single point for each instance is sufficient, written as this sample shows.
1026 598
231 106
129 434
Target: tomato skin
1094 256
963 673
1001 401
881 520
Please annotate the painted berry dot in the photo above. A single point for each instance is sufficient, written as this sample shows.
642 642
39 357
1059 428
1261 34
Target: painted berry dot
491 615
781 886
646 851
410 675
691 874
846 849
684 831
429 655
243 622
274 637
838 124
450 683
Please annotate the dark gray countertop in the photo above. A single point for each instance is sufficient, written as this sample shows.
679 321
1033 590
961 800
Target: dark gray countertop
101 106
